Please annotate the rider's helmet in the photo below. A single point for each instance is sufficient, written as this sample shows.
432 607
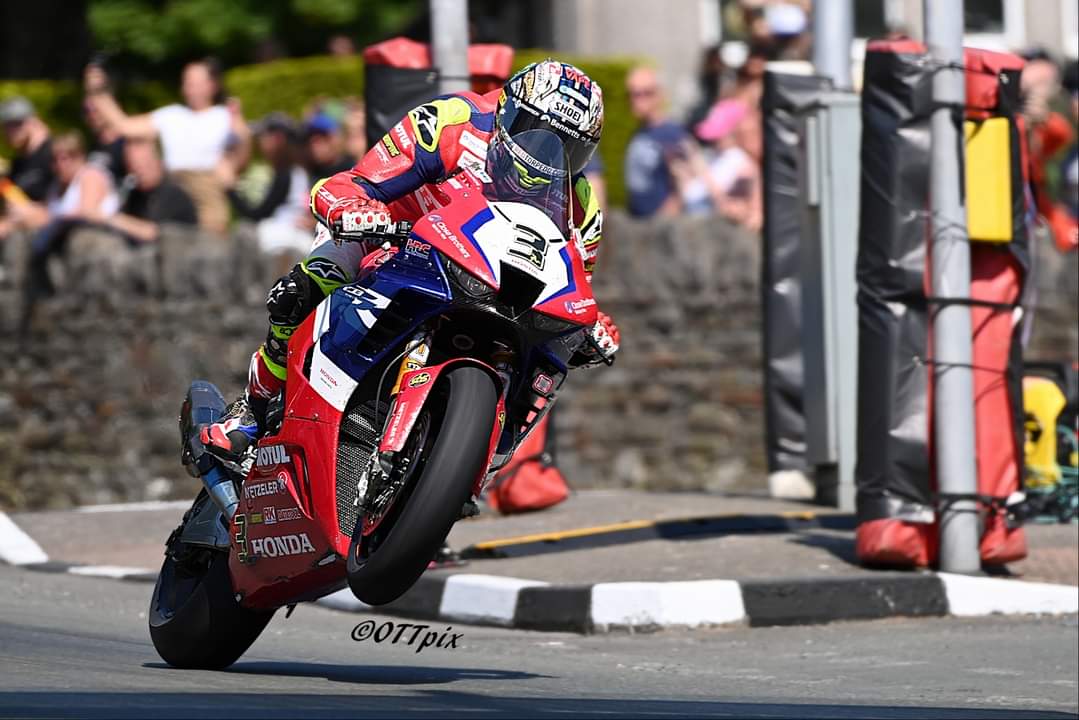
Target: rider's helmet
546 102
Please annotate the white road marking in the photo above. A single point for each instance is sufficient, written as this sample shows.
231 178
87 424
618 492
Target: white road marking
985 596
482 597
16 547
109 571
689 603
343 600
135 506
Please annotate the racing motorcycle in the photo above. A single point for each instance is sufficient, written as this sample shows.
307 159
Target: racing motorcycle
407 390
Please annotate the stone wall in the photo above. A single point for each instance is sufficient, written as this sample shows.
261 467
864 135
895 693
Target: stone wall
681 408
89 397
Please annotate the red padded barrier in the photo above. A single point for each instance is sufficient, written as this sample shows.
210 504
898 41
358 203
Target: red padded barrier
995 277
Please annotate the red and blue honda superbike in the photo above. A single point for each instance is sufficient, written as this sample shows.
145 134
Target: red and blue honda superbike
406 391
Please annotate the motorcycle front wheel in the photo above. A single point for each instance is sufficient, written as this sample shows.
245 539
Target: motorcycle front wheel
426 510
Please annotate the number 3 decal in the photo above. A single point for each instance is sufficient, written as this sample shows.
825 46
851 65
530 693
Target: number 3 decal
530 245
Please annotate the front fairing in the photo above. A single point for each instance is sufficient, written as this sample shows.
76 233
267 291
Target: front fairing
490 238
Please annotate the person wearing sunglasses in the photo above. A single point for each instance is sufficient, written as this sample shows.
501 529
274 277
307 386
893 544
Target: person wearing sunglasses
658 141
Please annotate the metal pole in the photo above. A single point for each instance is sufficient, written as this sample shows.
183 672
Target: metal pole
449 44
833 30
952 341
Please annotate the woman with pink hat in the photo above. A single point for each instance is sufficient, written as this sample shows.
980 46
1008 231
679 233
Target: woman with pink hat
726 178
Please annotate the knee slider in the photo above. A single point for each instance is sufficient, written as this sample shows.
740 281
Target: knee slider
292 298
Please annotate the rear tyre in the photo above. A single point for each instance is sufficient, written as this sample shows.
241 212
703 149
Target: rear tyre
457 456
195 620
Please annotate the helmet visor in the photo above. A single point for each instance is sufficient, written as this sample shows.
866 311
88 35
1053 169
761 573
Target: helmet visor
530 168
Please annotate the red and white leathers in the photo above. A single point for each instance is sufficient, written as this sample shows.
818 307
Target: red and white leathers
432 142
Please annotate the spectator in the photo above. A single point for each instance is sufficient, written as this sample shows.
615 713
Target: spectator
1069 170
283 215
340 46
325 147
710 80
82 193
194 135
108 148
83 190
1050 134
749 79
152 198
648 178
355 129
786 24
729 177
31 170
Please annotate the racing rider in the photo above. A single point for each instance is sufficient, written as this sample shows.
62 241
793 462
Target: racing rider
428 145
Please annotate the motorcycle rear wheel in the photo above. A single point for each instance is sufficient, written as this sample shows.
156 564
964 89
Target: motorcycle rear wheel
427 510
195 620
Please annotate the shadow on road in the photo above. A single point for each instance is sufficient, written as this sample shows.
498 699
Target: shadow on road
373 674
696 528
439 703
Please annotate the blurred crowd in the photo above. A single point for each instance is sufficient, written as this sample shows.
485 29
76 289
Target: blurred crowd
1051 109
196 163
710 162
201 162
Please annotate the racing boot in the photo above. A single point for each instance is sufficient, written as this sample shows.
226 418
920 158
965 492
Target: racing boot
241 425
244 421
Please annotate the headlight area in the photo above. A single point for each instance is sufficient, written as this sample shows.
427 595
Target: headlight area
463 281
547 324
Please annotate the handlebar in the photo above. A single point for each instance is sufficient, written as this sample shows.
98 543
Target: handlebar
591 342
399 232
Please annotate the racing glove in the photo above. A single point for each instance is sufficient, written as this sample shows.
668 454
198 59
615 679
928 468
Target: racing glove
359 215
606 335
605 338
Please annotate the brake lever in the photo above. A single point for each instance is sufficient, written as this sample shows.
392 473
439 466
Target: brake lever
399 233
608 361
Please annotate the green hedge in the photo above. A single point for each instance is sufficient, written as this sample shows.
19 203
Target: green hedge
291 85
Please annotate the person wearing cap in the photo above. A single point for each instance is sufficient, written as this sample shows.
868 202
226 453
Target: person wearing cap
26 186
284 221
325 146
31 168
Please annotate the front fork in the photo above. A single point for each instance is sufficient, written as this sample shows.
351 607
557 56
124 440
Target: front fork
415 357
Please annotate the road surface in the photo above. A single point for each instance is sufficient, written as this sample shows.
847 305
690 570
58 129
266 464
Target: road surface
78 647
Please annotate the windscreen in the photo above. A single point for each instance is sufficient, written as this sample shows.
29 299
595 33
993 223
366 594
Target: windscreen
531 168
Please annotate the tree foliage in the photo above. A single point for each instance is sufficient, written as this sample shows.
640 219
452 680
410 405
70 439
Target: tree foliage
151 37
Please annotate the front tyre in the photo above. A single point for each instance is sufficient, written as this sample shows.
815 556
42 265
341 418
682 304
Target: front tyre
195 620
457 456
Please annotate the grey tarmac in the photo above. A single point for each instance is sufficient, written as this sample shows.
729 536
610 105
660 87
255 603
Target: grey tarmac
78 647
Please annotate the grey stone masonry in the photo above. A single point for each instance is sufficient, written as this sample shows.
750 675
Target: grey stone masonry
89 397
